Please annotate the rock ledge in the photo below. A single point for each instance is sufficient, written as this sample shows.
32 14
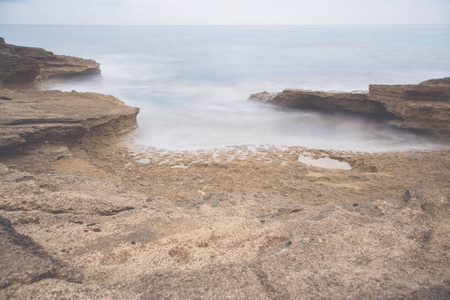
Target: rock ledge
24 66
423 107
30 116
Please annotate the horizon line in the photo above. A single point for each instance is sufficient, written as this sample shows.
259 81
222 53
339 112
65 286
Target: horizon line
231 25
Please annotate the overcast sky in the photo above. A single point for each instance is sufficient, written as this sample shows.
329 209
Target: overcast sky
225 12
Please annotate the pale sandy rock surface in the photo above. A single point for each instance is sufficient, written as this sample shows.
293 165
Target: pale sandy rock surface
236 223
24 261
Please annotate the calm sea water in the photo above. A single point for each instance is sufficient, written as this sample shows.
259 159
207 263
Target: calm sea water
192 83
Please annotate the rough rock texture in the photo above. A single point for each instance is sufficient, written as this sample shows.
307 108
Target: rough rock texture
439 81
424 107
23 261
30 116
63 194
265 225
326 101
24 65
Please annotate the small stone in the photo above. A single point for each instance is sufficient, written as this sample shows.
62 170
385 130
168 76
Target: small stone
3 169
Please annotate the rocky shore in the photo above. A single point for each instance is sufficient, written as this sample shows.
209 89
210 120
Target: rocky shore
423 107
33 116
84 213
26 66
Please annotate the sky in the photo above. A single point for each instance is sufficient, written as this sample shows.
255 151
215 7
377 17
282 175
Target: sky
224 12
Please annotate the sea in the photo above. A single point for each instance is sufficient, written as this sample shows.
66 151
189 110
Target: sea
192 83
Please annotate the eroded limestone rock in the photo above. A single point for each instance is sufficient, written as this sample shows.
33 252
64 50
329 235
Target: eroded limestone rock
23 261
31 116
24 65
58 194
424 107
327 101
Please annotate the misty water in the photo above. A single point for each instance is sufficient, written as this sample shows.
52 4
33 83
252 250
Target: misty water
192 83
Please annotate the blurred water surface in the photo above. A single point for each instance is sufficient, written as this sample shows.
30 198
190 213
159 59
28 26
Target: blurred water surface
192 82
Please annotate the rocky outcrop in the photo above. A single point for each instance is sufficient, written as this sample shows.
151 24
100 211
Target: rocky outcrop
325 101
439 81
31 116
424 107
26 65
